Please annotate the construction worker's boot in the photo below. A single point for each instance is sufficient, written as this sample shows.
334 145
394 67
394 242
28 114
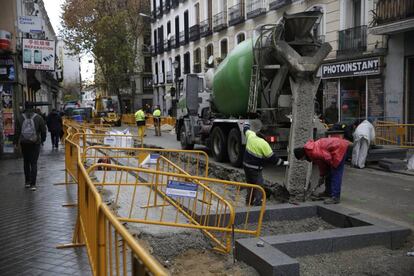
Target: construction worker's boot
332 200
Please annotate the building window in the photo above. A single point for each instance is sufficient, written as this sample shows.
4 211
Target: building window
209 51
168 27
187 63
197 14
186 27
197 61
223 48
240 38
177 30
177 67
147 64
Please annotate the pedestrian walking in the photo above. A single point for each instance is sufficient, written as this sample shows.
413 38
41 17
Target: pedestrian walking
140 120
157 120
257 153
364 135
329 155
54 125
30 132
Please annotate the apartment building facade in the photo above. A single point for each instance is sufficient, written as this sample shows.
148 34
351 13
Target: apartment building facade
186 33
395 19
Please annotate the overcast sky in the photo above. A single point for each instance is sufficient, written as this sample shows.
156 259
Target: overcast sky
54 11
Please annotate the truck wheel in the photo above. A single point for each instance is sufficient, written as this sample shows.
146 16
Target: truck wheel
183 139
235 148
219 144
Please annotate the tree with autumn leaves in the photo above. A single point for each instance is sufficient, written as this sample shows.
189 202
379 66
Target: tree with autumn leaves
111 30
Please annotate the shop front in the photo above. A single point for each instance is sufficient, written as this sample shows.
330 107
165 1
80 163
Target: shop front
7 115
353 89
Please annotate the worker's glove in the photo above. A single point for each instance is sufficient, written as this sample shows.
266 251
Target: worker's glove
279 162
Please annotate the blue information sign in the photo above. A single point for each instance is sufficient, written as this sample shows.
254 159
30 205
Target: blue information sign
181 189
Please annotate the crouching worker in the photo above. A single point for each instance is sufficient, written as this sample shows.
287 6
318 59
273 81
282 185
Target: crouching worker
257 153
329 154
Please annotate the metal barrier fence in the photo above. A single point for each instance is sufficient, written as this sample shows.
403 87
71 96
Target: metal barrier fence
111 248
129 119
145 199
235 193
388 133
193 161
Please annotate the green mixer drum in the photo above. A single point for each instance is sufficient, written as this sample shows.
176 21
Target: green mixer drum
231 80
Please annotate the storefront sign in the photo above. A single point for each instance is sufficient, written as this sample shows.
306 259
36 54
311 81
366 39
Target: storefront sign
361 67
39 54
30 24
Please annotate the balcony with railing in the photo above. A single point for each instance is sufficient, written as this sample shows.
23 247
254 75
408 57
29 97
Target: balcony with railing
175 3
173 42
277 4
195 32
255 8
145 49
352 41
147 82
197 68
393 16
153 50
166 45
183 40
220 21
160 47
169 77
158 12
236 14
167 6
206 28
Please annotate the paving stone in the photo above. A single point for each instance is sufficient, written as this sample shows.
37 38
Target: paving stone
301 244
33 223
267 260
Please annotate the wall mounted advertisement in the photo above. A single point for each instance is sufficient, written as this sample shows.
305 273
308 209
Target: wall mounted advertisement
6 93
39 54
30 24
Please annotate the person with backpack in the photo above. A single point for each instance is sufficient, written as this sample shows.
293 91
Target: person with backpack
54 125
30 133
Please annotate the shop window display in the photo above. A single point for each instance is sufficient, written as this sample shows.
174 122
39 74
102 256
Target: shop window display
353 99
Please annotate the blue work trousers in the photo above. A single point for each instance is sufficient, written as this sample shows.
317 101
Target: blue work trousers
334 180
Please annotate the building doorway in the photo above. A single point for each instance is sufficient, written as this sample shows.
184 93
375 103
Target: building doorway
353 95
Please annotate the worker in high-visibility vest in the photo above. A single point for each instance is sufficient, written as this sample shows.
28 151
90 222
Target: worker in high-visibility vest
157 120
258 152
140 119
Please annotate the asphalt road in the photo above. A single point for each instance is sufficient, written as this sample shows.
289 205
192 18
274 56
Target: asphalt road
379 193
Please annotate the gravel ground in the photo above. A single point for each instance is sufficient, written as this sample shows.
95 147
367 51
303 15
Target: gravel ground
373 261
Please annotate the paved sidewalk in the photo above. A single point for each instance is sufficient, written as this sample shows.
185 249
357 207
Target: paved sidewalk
33 223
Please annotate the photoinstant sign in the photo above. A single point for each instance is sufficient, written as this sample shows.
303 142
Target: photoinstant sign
361 67
39 54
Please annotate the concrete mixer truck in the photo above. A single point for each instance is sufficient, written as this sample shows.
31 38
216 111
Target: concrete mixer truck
251 83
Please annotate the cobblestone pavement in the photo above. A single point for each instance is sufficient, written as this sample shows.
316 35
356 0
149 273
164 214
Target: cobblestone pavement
33 223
